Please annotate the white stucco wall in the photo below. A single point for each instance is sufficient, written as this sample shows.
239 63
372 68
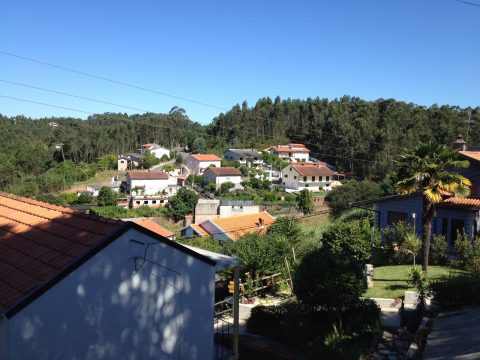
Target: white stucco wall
152 187
229 210
158 153
114 308
193 164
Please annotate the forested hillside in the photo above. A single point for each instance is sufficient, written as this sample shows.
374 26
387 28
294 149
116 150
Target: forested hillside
353 134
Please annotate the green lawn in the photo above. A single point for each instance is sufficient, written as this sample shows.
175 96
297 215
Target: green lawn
391 281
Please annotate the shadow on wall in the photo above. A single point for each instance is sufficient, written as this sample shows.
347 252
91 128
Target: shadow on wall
140 299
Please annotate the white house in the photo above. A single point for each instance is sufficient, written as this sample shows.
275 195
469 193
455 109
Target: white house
291 152
155 149
94 288
147 183
128 162
244 156
220 175
311 176
197 163
214 208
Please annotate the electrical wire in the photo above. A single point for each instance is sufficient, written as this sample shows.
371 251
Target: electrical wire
117 82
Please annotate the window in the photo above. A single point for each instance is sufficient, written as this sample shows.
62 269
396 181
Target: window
306 185
145 202
313 178
394 217
285 176
138 202
122 162
290 168
328 178
295 176
304 178
327 185
162 201
154 201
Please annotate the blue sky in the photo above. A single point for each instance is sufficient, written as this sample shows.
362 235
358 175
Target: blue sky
223 52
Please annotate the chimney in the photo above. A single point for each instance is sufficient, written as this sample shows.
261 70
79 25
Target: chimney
460 144
261 223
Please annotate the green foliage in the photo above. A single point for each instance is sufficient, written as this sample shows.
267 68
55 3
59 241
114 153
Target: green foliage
274 160
178 159
287 227
456 291
468 254
68 198
207 243
198 179
51 199
199 145
210 187
168 167
349 239
261 254
226 187
439 250
257 184
85 198
107 162
416 277
305 202
164 158
230 163
149 160
325 280
392 241
106 197
340 197
181 204
411 246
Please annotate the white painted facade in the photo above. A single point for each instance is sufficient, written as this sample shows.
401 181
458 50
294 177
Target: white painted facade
197 166
292 152
118 306
244 155
209 176
159 152
292 180
148 186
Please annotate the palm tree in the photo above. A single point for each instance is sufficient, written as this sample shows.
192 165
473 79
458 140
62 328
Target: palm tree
429 170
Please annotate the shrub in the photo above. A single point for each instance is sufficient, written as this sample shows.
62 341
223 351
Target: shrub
168 167
468 254
51 199
106 197
351 239
68 198
164 158
392 240
181 204
210 187
207 243
456 291
226 187
438 250
85 198
305 202
325 280
411 246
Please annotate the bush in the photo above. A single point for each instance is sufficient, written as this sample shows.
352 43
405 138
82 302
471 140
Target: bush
68 198
325 280
85 198
438 250
456 291
210 187
392 240
468 254
207 243
305 202
164 158
226 187
181 204
169 167
51 199
115 212
350 239
106 197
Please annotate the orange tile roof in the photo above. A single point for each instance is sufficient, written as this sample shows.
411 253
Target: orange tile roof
38 241
299 148
206 157
475 155
156 228
199 230
237 226
143 175
462 202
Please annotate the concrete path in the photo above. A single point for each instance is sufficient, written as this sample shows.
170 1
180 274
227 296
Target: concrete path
455 335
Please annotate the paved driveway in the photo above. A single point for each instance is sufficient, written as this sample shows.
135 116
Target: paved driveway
455 335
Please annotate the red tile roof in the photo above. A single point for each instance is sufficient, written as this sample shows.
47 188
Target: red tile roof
296 148
143 175
312 169
206 157
157 228
39 240
462 202
225 171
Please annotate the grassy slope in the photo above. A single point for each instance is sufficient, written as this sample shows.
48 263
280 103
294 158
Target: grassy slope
391 281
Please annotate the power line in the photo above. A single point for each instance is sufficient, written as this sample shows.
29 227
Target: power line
468 3
72 95
113 81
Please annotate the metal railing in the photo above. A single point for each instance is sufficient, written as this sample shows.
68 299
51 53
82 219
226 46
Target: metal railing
222 339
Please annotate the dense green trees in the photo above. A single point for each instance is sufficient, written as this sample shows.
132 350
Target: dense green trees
106 197
182 203
305 202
